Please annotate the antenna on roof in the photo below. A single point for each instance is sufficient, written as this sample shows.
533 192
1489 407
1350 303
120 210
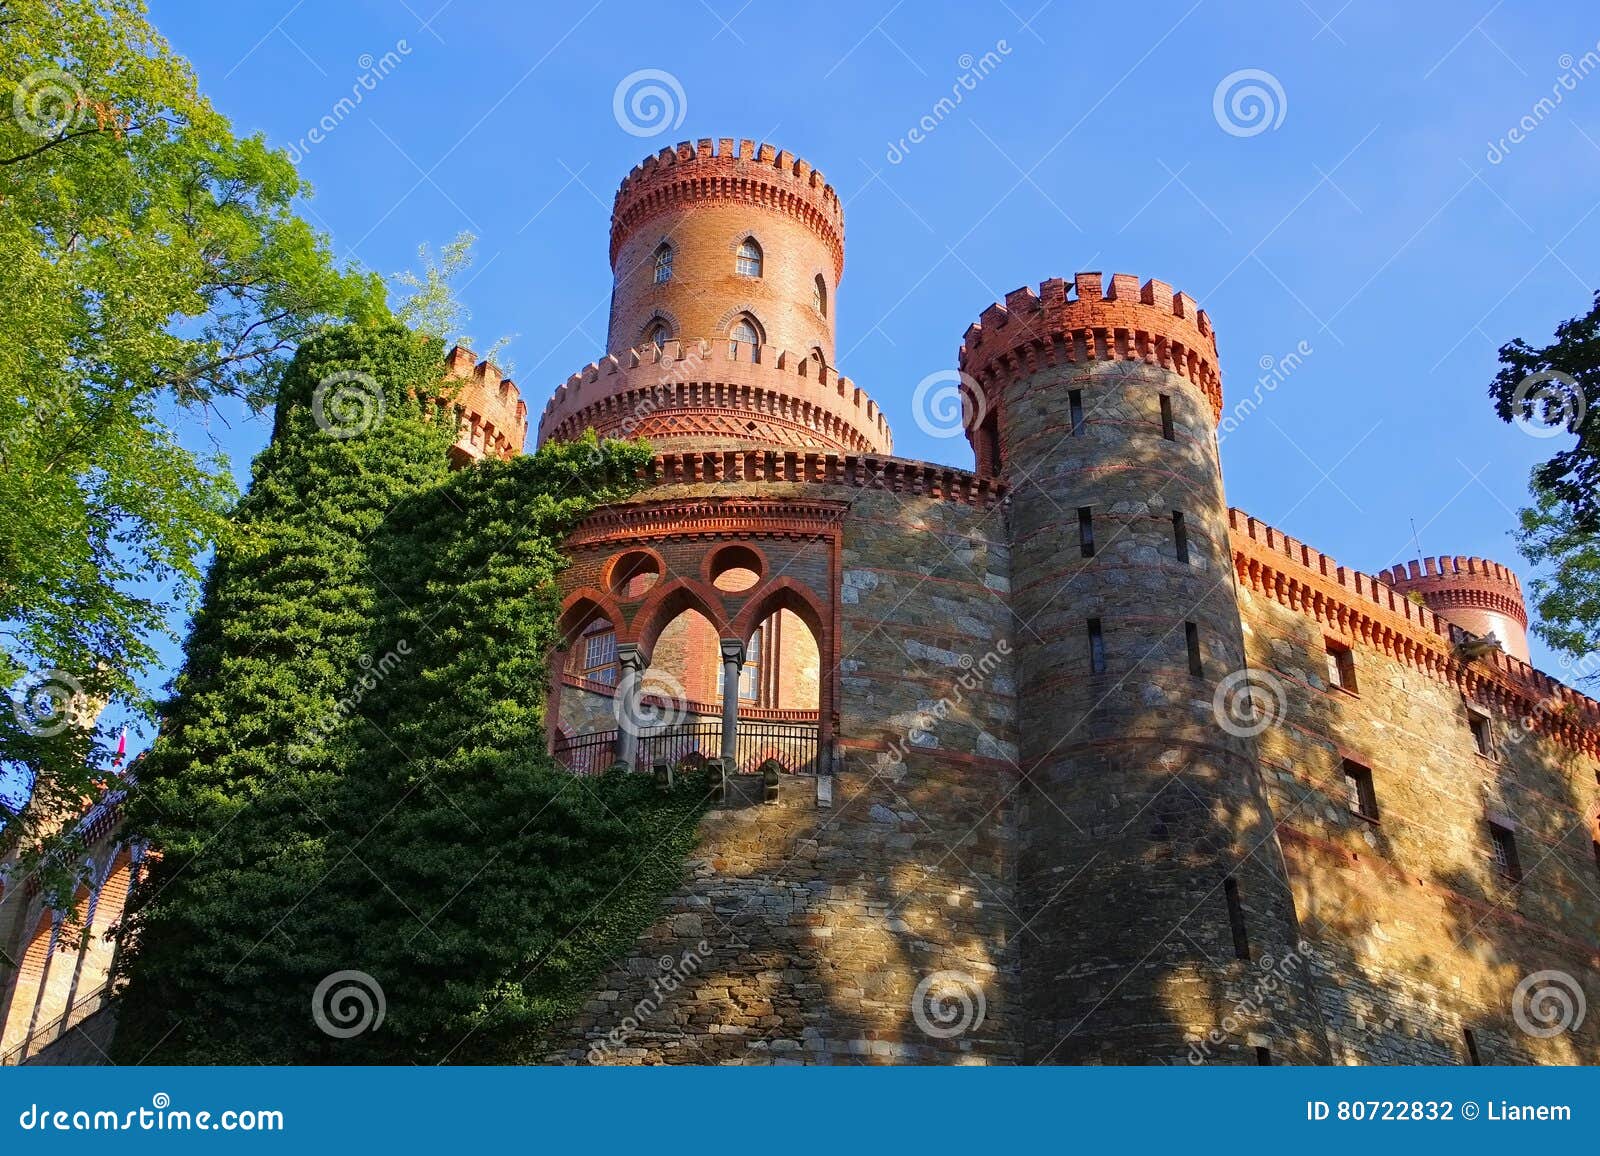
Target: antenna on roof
1416 539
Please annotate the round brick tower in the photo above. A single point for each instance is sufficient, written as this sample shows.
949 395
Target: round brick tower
726 259
1478 595
1154 892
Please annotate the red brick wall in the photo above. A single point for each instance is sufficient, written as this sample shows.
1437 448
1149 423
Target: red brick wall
704 205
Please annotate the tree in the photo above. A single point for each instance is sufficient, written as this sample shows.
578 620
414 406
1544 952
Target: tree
1567 602
151 264
353 785
1552 391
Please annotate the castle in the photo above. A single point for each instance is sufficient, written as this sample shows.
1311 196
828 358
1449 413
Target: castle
1078 763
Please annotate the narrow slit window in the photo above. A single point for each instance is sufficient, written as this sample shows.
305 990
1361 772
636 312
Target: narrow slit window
1097 648
1191 637
1086 531
1075 410
1597 854
1264 1057
1168 430
1180 535
1241 940
1473 1057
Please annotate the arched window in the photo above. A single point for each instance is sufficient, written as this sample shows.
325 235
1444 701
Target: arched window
658 334
819 295
595 655
748 263
663 263
745 331
818 363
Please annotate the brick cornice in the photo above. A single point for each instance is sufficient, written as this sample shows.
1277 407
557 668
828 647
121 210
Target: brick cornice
710 518
856 471
1370 613
742 172
1151 324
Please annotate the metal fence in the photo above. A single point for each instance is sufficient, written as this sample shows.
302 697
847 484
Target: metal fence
56 1028
794 745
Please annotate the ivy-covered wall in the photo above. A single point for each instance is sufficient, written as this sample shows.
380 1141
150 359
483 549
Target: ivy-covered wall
351 774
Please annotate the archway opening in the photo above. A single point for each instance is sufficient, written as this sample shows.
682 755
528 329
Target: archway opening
735 569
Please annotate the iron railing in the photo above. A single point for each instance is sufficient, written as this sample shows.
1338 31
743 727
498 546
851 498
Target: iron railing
43 1037
793 745
587 754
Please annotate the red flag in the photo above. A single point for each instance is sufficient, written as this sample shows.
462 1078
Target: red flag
122 748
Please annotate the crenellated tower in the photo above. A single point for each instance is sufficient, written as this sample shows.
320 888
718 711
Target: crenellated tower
491 417
726 258
1479 596
1150 877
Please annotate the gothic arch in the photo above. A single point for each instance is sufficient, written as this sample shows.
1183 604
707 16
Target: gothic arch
671 599
783 593
582 607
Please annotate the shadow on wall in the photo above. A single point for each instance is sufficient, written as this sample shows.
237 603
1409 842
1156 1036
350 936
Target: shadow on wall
1427 951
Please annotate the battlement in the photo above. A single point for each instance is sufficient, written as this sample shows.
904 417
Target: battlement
1379 612
1126 321
1476 594
742 171
632 392
1479 573
490 413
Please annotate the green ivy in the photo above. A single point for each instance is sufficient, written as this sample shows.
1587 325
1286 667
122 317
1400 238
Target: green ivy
352 773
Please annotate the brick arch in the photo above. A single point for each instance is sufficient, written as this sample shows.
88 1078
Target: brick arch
743 309
784 593
670 599
582 607
665 316
787 593
29 979
105 916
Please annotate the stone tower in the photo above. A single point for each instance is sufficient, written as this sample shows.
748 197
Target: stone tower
1480 596
1152 885
726 259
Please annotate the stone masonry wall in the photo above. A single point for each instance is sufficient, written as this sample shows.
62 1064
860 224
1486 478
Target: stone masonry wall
821 916
1418 937
1157 905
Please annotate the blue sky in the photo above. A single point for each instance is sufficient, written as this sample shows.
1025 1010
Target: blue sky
1366 222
